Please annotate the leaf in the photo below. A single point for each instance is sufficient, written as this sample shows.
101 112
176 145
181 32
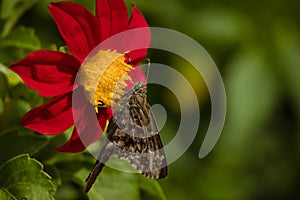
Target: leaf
21 37
13 111
12 77
68 165
21 91
150 189
14 143
6 195
20 42
4 85
21 100
49 154
23 178
54 173
11 11
114 184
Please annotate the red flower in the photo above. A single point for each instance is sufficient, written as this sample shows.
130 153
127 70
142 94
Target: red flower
53 74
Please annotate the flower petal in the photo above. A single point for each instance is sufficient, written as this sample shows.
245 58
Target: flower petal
78 27
135 40
113 16
51 73
74 144
53 117
87 130
143 37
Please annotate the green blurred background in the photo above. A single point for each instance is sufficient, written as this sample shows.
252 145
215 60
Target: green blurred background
256 46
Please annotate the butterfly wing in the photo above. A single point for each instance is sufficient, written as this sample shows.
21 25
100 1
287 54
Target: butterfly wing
145 153
132 135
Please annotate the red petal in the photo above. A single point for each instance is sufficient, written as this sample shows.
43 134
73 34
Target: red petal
51 73
51 118
74 145
119 16
78 27
87 130
104 115
113 16
142 37
136 40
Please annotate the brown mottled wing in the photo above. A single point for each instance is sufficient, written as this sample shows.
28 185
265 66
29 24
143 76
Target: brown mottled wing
132 135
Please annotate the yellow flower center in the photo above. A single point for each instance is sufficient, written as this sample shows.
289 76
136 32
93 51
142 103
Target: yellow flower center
104 77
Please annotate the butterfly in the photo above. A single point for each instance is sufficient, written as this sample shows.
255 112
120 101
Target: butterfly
132 135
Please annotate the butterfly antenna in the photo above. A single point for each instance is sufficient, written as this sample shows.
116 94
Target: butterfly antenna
149 65
130 62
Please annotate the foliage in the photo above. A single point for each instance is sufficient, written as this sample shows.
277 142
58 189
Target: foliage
256 46
22 178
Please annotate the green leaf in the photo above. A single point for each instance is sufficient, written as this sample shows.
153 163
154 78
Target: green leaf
14 143
4 85
150 189
21 91
69 166
49 154
4 194
114 184
54 173
20 42
22 178
13 111
21 37
12 77
11 11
